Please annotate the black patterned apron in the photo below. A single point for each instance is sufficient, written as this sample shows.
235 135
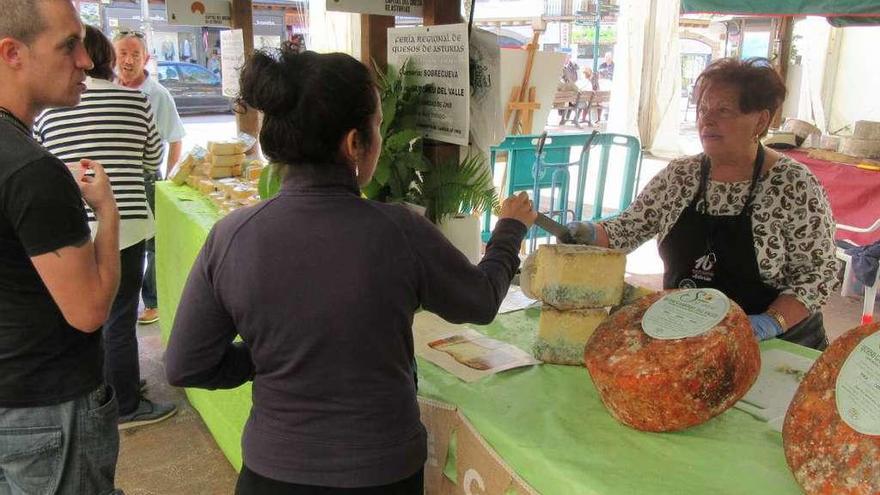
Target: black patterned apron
704 250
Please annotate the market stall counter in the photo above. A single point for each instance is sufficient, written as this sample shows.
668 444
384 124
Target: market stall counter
546 423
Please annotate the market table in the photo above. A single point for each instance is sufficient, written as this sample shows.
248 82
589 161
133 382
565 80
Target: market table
545 422
854 194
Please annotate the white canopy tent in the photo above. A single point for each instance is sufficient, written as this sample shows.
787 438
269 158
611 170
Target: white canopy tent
645 96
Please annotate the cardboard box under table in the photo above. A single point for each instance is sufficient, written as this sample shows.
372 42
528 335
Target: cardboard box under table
541 428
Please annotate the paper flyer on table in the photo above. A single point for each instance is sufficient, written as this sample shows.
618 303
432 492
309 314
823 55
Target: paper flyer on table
463 351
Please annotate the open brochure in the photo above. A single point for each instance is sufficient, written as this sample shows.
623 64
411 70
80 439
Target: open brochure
463 351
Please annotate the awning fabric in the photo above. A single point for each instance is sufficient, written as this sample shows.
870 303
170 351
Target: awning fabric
827 8
848 21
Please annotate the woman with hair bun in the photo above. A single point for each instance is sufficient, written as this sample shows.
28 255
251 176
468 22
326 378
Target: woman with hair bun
739 218
322 285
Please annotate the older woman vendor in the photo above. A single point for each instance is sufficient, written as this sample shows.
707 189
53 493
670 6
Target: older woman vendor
738 217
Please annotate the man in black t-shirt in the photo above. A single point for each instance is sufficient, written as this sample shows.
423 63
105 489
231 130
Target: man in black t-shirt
56 284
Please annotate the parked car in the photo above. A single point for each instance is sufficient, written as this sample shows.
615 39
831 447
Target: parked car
195 89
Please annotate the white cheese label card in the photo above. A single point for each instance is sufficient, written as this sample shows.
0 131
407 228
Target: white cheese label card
858 387
685 313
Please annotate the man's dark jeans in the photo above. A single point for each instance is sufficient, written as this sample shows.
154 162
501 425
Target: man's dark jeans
148 293
121 366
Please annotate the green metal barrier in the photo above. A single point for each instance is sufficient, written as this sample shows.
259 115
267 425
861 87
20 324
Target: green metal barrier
604 144
558 151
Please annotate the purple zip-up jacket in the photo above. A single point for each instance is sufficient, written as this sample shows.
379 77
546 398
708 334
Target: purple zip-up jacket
322 285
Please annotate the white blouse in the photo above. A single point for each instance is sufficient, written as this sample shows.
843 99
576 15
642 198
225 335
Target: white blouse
791 222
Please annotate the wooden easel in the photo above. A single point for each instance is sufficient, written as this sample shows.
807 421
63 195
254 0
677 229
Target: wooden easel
522 104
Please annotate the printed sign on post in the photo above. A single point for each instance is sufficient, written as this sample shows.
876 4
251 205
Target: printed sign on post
487 110
438 56
232 60
378 7
199 12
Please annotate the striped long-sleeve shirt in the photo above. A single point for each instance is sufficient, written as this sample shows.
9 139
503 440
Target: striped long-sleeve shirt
115 126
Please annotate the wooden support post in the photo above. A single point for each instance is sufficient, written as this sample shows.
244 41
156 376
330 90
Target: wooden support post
374 39
243 18
438 12
782 36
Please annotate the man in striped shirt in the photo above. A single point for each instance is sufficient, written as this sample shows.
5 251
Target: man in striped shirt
115 125
131 61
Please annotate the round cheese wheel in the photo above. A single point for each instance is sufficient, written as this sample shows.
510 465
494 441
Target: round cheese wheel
825 454
865 148
666 385
866 129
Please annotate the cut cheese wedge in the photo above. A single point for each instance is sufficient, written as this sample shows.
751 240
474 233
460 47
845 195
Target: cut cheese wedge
575 277
562 335
230 147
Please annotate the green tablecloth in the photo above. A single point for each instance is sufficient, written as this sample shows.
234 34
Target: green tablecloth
546 422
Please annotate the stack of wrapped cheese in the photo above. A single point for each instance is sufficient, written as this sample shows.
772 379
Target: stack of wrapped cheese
230 193
222 173
224 159
576 284
186 167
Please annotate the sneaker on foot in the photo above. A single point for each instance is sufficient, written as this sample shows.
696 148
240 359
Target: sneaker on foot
147 413
149 315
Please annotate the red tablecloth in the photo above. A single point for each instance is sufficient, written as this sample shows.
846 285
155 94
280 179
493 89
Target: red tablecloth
854 194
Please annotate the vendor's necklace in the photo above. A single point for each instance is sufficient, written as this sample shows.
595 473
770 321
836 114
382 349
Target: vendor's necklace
15 121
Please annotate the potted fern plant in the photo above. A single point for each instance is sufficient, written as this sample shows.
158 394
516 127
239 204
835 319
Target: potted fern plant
451 195
454 195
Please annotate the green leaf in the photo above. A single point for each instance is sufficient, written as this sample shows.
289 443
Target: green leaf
270 181
373 191
398 190
383 171
402 140
451 188
417 163
389 112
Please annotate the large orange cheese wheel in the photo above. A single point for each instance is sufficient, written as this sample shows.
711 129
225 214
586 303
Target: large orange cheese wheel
666 385
825 454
